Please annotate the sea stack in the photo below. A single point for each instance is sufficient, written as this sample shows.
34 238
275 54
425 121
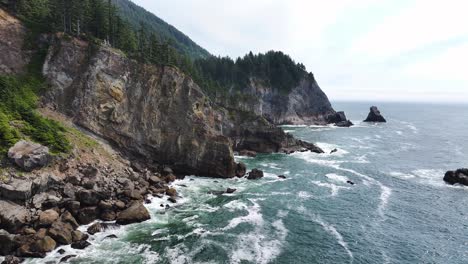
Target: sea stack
339 119
375 116
459 176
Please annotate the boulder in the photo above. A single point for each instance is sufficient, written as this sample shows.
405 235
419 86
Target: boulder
282 177
136 213
12 260
459 176
82 244
255 174
44 245
67 258
28 155
375 116
87 215
61 232
230 190
171 192
13 216
16 190
346 123
172 200
108 215
8 243
46 218
241 169
88 197
99 227
78 236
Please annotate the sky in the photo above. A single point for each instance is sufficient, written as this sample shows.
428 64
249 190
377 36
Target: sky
366 50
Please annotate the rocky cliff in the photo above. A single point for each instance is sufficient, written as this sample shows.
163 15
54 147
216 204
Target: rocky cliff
14 57
304 104
156 113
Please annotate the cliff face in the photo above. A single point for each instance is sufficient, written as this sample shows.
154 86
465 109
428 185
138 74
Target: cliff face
13 58
304 104
156 113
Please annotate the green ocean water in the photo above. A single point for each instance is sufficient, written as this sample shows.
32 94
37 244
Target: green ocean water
398 211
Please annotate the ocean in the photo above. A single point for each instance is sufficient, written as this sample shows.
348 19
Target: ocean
398 211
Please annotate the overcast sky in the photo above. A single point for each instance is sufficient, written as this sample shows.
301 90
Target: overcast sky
392 50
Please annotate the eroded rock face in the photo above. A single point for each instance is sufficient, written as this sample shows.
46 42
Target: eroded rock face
154 112
375 116
16 190
29 155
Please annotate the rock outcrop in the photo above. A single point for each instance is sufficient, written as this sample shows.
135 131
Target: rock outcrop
255 174
459 176
29 155
14 58
339 119
157 114
375 116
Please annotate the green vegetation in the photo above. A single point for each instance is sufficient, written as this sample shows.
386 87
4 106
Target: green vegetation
18 117
145 37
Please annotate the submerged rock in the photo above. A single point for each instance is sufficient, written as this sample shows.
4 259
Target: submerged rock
459 176
255 174
282 177
28 155
375 116
80 244
230 190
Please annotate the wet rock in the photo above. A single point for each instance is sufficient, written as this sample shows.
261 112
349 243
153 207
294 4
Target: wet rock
375 116
346 123
172 200
99 227
16 190
78 236
8 243
255 174
108 215
87 215
28 155
47 244
134 214
66 258
170 178
13 217
61 251
61 232
339 119
111 237
459 176
333 151
282 177
12 260
47 217
80 244
68 218
229 190
241 169
171 192
350 182
248 153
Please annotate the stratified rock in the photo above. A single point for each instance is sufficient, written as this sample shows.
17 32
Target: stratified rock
29 155
255 174
459 176
375 116
136 213
13 217
16 190
241 169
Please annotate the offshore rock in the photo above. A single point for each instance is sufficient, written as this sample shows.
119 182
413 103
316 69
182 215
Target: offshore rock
339 119
375 116
255 174
459 176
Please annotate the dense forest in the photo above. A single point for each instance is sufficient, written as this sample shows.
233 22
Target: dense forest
135 32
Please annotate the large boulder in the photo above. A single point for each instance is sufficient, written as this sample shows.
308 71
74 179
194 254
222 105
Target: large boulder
29 155
375 116
255 174
459 176
16 190
13 216
61 232
48 217
44 245
136 213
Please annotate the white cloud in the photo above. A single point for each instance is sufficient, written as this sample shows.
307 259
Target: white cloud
362 50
